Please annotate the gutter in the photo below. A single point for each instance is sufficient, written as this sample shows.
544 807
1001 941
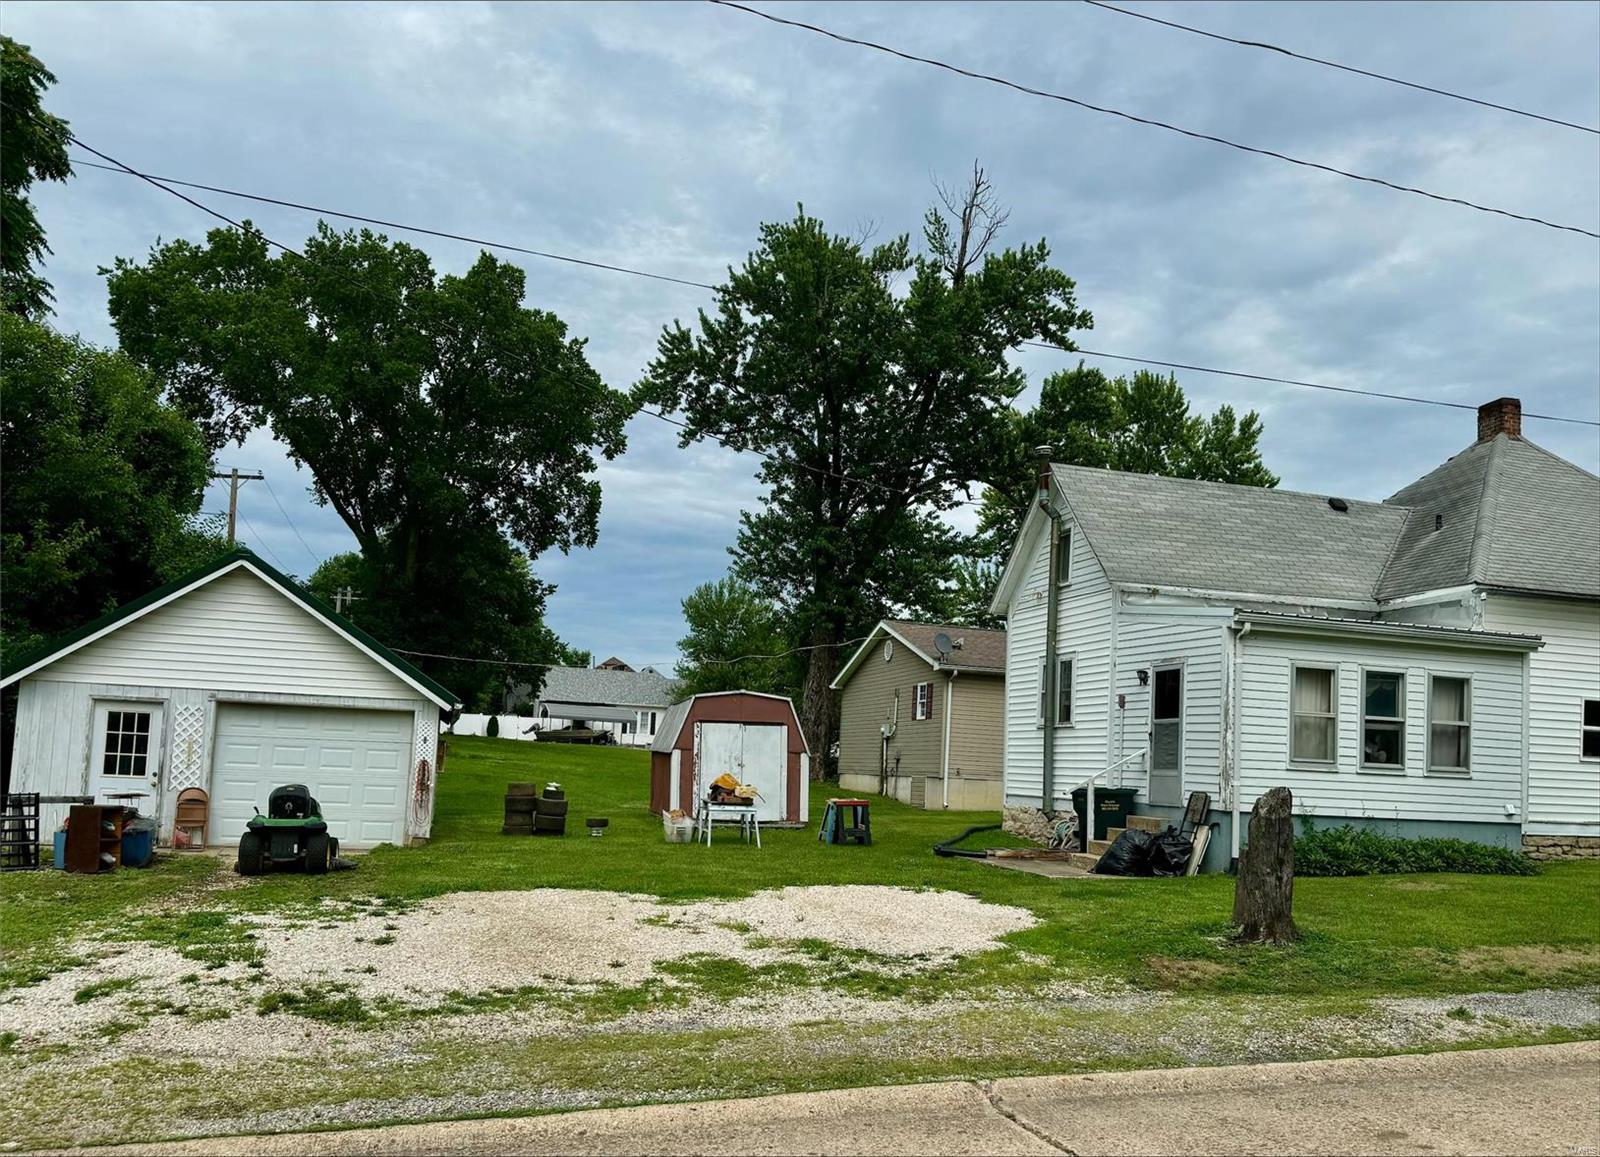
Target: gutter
949 699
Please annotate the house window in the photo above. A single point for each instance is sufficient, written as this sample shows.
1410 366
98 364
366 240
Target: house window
1449 724
1064 555
652 723
1591 729
127 744
1314 726
1383 723
924 702
1063 691
627 728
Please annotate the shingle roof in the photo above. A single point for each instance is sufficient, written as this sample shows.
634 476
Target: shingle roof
975 650
593 685
233 560
1513 515
1178 532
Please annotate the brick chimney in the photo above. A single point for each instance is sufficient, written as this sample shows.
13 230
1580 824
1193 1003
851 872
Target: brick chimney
1501 416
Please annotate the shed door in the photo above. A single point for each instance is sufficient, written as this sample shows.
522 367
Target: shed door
356 763
753 753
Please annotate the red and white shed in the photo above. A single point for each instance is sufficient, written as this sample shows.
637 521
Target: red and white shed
752 736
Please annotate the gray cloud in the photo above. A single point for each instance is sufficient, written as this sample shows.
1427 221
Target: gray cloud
661 135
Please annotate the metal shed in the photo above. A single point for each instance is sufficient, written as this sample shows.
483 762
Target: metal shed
750 735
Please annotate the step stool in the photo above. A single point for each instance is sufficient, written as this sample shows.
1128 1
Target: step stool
846 821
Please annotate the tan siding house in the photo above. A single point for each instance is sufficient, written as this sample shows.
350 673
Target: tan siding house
924 725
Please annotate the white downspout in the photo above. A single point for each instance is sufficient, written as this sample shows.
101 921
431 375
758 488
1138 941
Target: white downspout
949 698
1238 795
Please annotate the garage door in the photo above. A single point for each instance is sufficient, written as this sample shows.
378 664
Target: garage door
356 763
753 753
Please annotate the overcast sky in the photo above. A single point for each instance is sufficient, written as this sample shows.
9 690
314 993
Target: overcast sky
659 136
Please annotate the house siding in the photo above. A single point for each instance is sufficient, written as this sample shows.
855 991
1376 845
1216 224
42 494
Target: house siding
235 632
1083 633
977 727
1146 637
1563 789
1346 790
866 705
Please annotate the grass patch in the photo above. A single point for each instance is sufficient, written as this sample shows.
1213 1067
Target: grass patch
101 988
329 1003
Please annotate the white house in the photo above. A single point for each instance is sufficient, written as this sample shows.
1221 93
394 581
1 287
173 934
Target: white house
235 680
628 703
1429 664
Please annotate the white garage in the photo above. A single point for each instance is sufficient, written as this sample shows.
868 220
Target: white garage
234 680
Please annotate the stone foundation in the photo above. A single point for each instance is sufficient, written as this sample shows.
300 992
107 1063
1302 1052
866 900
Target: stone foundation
1029 823
1560 847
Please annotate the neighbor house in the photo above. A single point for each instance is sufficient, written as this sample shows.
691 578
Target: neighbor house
625 702
234 680
1429 664
922 715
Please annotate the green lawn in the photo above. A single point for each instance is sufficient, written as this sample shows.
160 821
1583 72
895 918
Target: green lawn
1366 936
1116 974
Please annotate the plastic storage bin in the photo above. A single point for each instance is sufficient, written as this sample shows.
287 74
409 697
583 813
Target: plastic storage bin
678 830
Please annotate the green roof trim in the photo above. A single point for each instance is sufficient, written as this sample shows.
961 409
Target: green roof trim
47 651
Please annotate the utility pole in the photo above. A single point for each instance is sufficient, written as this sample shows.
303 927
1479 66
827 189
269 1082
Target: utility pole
343 597
234 478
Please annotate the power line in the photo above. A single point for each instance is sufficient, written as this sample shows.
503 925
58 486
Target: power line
1153 123
1296 382
261 541
721 662
162 182
1342 67
448 236
306 545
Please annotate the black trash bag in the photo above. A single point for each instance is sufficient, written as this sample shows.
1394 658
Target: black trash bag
1128 856
1169 853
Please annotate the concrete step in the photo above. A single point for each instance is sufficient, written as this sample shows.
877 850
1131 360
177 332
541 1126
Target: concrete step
1084 860
1101 847
1113 833
1147 823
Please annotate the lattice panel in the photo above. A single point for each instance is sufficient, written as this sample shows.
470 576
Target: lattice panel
427 741
188 746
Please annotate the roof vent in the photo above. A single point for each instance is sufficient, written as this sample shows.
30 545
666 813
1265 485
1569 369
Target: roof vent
1339 504
1438 522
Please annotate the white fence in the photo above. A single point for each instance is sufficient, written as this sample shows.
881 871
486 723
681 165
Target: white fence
511 726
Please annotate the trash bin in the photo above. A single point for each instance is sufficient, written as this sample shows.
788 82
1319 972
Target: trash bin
1111 808
138 844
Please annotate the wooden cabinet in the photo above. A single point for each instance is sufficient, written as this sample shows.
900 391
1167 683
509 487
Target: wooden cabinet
94 838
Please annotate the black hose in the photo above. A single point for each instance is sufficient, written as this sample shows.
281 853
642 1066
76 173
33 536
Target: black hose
944 847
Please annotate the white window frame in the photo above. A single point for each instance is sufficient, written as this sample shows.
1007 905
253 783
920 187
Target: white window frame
1332 763
1584 729
1064 544
922 701
1069 661
1361 737
1042 703
1465 724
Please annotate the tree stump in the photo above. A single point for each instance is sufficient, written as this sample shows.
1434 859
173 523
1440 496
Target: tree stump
1263 895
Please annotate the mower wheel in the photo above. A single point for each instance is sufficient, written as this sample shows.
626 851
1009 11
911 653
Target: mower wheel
551 807
252 855
316 853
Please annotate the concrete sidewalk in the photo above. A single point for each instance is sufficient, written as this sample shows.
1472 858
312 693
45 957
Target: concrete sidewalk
1521 1101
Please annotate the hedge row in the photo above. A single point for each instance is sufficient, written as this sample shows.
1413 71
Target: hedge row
1352 851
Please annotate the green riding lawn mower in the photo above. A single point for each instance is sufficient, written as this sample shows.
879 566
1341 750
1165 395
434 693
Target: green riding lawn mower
292 836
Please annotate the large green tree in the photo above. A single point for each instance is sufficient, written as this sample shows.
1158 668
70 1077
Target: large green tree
101 485
874 382
438 415
736 641
33 147
1140 424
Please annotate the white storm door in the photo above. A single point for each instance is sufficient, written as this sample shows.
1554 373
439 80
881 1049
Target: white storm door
126 754
766 768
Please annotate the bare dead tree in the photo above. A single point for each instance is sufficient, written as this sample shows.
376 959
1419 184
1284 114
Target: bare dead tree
977 216
1263 895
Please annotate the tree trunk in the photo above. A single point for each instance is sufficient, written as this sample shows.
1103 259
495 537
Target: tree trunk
817 698
1263 895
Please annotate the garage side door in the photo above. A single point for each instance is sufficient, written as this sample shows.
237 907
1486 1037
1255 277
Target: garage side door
356 763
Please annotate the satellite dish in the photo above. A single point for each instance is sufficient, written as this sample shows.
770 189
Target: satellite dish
942 643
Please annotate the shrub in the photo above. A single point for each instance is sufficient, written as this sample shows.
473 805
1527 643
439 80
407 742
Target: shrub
493 730
1352 851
